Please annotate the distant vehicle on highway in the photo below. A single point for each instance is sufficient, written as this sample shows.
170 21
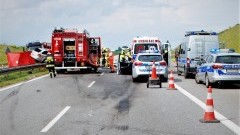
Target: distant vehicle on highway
195 46
33 45
219 68
39 54
142 65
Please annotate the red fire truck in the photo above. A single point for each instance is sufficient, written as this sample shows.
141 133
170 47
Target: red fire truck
73 50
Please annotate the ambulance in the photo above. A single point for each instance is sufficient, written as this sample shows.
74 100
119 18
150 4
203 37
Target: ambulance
144 43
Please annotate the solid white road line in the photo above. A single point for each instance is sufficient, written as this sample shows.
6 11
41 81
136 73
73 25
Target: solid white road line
15 85
50 124
225 121
90 85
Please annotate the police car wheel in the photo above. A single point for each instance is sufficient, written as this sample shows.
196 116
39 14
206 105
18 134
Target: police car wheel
51 75
178 72
207 83
197 79
134 79
185 73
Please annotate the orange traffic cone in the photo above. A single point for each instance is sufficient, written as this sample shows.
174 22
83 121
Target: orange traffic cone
209 116
154 71
171 85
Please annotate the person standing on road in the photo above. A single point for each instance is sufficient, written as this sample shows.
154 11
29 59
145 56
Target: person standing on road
50 64
165 56
122 56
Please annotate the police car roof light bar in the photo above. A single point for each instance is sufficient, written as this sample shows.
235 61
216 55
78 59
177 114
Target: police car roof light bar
214 51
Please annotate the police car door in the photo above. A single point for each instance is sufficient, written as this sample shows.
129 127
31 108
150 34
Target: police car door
201 71
208 67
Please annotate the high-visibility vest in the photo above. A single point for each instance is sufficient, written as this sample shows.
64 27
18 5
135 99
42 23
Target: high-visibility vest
49 61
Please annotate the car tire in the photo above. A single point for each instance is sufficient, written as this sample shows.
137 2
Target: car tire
197 79
186 75
207 83
178 72
134 79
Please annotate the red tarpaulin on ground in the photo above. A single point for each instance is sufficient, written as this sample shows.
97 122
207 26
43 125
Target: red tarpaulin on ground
16 59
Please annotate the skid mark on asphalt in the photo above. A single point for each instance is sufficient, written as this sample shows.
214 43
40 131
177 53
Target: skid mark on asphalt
122 128
11 94
123 105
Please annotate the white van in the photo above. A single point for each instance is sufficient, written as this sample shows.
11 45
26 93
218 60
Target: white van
194 47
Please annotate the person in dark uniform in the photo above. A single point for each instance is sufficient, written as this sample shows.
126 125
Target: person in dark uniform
165 56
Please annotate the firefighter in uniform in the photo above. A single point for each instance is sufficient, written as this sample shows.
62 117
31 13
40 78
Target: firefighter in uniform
122 56
111 65
129 54
106 57
50 64
125 55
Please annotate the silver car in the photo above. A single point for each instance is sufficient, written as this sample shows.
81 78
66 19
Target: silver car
39 54
219 68
142 66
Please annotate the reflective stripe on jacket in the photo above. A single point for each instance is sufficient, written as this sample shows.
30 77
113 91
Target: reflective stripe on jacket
50 65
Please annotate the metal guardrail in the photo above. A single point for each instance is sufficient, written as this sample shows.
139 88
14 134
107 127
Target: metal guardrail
20 68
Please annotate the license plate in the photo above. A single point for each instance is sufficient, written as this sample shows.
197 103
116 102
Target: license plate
232 71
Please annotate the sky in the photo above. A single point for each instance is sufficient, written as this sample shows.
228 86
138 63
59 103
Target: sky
117 22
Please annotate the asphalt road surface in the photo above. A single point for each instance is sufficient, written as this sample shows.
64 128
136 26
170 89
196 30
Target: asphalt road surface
109 104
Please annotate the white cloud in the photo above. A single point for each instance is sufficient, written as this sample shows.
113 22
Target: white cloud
116 21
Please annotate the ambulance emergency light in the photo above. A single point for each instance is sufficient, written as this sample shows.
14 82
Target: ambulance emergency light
149 51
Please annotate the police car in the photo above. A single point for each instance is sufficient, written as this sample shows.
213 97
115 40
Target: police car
219 68
142 65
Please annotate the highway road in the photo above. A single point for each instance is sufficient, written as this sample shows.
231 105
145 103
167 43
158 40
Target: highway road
109 104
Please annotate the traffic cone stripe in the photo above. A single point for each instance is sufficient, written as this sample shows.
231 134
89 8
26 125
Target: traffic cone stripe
209 116
209 96
209 102
209 109
171 82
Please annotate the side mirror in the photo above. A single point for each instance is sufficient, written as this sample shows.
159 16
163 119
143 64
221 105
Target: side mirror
189 49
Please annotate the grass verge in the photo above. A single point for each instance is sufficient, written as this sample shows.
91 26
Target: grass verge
20 76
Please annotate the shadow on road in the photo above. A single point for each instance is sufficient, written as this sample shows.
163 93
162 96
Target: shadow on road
228 86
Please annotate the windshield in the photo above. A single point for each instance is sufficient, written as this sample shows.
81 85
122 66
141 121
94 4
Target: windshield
140 47
149 58
228 59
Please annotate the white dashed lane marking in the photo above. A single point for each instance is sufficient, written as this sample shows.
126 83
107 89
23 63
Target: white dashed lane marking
91 84
51 123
